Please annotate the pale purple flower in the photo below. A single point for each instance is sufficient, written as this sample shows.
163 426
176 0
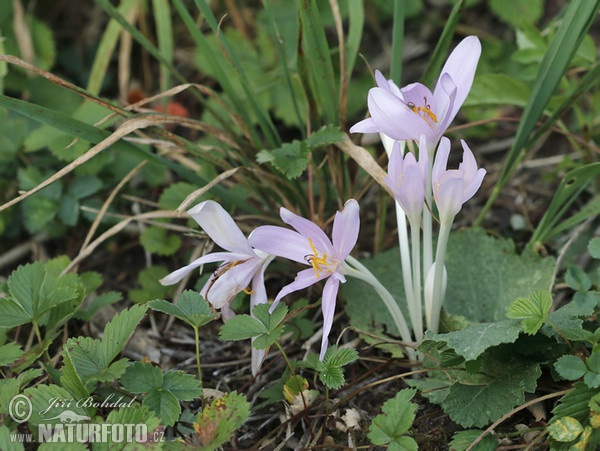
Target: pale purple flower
453 187
408 113
311 246
242 269
407 179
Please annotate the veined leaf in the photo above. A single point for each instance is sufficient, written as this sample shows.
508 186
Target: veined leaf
570 367
533 311
395 420
191 308
264 327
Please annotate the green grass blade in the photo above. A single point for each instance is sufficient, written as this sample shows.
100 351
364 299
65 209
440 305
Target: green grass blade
573 27
264 120
220 68
115 14
587 82
397 42
356 19
441 49
95 135
569 189
106 48
284 65
318 60
164 33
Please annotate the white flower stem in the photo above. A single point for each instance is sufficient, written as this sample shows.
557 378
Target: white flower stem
405 261
352 267
428 222
417 320
438 277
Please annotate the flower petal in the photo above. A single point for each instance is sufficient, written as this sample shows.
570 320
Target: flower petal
441 159
461 66
448 196
280 241
179 274
304 278
389 143
445 99
230 283
394 118
346 225
308 229
220 227
328 301
367 125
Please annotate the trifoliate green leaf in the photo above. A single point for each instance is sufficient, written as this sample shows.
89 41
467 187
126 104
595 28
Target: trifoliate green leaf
395 420
91 358
242 327
533 311
184 386
142 378
34 290
191 308
330 369
265 327
570 367
119 330
163 390
291 158
164 404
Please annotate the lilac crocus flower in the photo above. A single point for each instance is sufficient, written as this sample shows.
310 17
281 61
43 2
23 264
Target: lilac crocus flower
407 179
408 113
453 187
311 246
242 269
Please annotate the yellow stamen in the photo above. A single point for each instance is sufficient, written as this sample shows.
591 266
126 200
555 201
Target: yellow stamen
248 290
315 260
427 111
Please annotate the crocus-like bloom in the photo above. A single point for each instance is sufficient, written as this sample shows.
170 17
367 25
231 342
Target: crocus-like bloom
311 246
408 113
453 187
242 268
407 179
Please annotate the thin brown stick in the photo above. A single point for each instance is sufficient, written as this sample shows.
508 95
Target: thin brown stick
335 9
107 203
365 160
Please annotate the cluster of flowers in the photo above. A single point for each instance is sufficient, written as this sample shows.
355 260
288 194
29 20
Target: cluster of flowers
412 113
415 114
